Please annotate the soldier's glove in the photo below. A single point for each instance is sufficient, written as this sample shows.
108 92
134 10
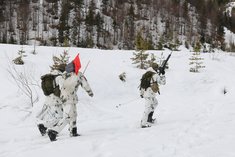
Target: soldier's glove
90 93
161 71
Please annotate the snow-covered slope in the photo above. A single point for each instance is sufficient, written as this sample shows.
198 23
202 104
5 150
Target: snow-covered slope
194 117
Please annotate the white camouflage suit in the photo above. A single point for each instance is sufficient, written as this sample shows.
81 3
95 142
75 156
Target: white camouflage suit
70 84
52 110
150 97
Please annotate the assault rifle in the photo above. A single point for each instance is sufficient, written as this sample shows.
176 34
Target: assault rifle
163 66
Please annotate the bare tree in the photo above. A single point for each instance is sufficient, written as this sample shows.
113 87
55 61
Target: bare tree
25 82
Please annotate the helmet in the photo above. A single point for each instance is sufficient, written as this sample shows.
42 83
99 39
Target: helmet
154 66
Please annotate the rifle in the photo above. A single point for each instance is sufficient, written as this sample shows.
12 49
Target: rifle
163 66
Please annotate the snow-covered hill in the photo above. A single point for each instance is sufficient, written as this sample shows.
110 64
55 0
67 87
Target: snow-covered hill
194 117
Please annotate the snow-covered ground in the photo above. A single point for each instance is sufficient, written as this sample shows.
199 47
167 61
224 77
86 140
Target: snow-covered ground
194 117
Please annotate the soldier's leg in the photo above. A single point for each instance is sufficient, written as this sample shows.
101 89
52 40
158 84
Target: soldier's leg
150 117
154 104
58 127
57 114
73 121
50 116
150 105
41 119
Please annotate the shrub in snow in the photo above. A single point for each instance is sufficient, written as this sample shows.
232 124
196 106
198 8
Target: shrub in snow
21 52
122 77
18 60
195 59
225 91
61 60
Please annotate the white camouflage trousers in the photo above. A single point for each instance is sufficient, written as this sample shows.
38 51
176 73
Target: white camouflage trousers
69 117
150 105
50 115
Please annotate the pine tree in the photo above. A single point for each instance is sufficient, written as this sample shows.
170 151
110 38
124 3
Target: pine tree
140 42
129 26
90 18
63 59
99 26
195 59
23 16
64 27
220 31
152 59
131 22
140 58
75 32
115 29
90 22
105 6
77 22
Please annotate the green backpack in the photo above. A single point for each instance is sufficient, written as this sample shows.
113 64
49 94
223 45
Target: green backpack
49 86
145 82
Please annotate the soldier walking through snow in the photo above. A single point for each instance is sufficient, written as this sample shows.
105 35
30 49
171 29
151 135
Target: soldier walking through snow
52 110
71 82
148 90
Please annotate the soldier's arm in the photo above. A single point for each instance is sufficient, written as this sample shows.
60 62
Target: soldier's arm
85 85
59 80
141 92
161 79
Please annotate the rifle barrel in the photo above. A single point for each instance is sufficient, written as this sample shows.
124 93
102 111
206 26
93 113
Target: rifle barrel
165 61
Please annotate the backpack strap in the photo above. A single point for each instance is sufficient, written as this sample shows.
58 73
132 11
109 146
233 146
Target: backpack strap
152 81
54 82
56 87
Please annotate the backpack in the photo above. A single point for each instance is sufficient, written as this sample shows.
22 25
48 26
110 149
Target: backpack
145 82
49 86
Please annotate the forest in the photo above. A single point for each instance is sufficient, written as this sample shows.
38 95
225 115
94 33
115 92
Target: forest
116 24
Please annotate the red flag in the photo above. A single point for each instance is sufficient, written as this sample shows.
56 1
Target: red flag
77 64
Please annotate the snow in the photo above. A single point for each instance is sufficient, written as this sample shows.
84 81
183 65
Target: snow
194 117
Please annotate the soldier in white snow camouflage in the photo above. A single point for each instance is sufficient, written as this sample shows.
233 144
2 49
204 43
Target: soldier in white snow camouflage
149 94
70 84
52 110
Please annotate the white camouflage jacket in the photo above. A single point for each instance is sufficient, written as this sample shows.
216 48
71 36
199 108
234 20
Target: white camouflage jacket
69 86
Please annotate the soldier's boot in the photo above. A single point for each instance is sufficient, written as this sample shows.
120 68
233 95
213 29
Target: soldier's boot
145 124
52 134
42 129
150 118
74 132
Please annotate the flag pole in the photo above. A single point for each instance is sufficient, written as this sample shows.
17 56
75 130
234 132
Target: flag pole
86 67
